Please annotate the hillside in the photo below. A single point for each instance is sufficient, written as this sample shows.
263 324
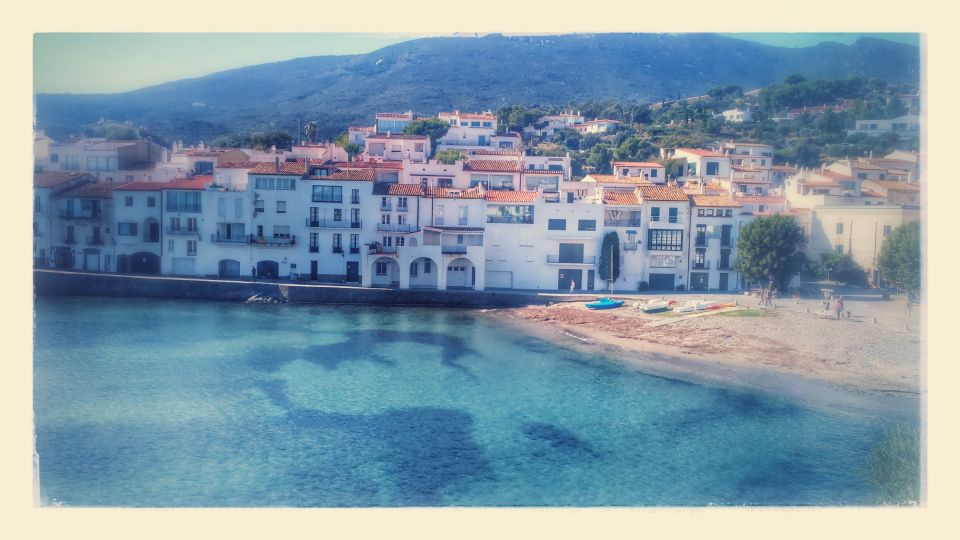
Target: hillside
431 74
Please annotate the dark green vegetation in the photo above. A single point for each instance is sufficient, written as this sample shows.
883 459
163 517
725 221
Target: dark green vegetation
899 260
431 127
834 266
769 250
894 467
609 269
433 74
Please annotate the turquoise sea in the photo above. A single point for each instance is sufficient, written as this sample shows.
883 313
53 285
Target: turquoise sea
160 403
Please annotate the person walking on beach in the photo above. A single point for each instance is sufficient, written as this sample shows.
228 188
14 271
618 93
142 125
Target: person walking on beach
840 307
253 272
573 286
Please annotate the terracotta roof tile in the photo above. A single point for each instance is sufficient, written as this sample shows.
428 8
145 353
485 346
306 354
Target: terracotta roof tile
662 193
414 190
93 190
507 196
237 165
620 198
142 186
714 200
452 193
295 168
197 182
614 179
48 179
762 199
365 175
492 165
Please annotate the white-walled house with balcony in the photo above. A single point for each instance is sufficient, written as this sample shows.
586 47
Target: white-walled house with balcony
182 203
48 232
715 223
394 147
81 237
703 164
666 210
138 219
748 155
651 171
108 161
468 129
623 214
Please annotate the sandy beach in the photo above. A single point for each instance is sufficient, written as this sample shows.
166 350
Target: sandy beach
876 350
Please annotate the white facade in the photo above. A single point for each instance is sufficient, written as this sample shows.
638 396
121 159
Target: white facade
737 116
654 172
137 221
392 147
906 127
715 223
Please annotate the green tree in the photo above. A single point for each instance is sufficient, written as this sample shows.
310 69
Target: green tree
263 141
431 127
448 157
609 268
343 141
769 250
310 131
838 267
599 158
899 259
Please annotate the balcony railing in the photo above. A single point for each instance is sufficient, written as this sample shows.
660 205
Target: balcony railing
623 223
386 207
273 241
79 214
453 250
354 250
332 224
337 249
171 230
399 227
314 249
701 241
556 259
94 240
629 246
224 239
382 250
705 265
402 208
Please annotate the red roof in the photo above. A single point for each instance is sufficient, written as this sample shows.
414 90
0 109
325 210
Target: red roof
614 179
197 182
621 198
648 164
484 152
761 199
48 179
507 196
662 193
368 164
714 200
142 186
93 190
236 165
492 165
701 153
452 193
294 168
366 175
406 189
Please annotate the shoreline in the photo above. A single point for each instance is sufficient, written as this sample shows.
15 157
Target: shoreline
778 375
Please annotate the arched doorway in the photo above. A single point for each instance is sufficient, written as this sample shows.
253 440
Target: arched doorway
268 269
385 272
144 262
461 274
423 273
229 268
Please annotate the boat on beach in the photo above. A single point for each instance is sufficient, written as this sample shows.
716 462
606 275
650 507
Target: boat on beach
604 303
656 306
694 305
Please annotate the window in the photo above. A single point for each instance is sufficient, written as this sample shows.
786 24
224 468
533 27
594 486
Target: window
459 239
338 214
170 245
839 228
701 212
127 229
438 214
54 158
183 201
713 168
586 225
354 196
268 182
557 225
725 231
886 230
839 249
709 213
664 240
238 208
385 219
258 206
152 202
413 269
444 182
862 175
128 201
221 207
701 239
653 173
354 241
191 247
338 243
401 203
501 213
355 217
388 241
381 268
655 213
281 231
327 194
281 207
174 224
426 266
729 212
700 258
401 219
314 242
462 216
192 224
487 124
673 215
401 241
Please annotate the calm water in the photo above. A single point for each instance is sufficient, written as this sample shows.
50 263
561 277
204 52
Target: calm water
177 403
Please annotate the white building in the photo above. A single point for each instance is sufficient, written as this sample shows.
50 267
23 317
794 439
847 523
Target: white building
715 223
394 147
48 232
108 161
468 129
907 127
81 227
595 126
703 164
182 205
737 116
137 221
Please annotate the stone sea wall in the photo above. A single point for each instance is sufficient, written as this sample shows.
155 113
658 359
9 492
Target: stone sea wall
66 283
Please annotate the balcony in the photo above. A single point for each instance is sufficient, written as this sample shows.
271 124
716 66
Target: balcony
386 206
623 223
171 230
78 214
556 259
629 246
705 265
701 241
399 227
337 249
314 249
331 224
726 242
274 241
453 250
95 240
724 266
382 250
402 208
355 251
224 239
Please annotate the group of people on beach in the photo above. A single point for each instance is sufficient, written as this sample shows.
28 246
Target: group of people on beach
767 294
837 305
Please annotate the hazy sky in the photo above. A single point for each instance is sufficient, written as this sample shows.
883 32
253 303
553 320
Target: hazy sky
116 62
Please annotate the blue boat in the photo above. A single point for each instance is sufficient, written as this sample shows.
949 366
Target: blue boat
604 303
